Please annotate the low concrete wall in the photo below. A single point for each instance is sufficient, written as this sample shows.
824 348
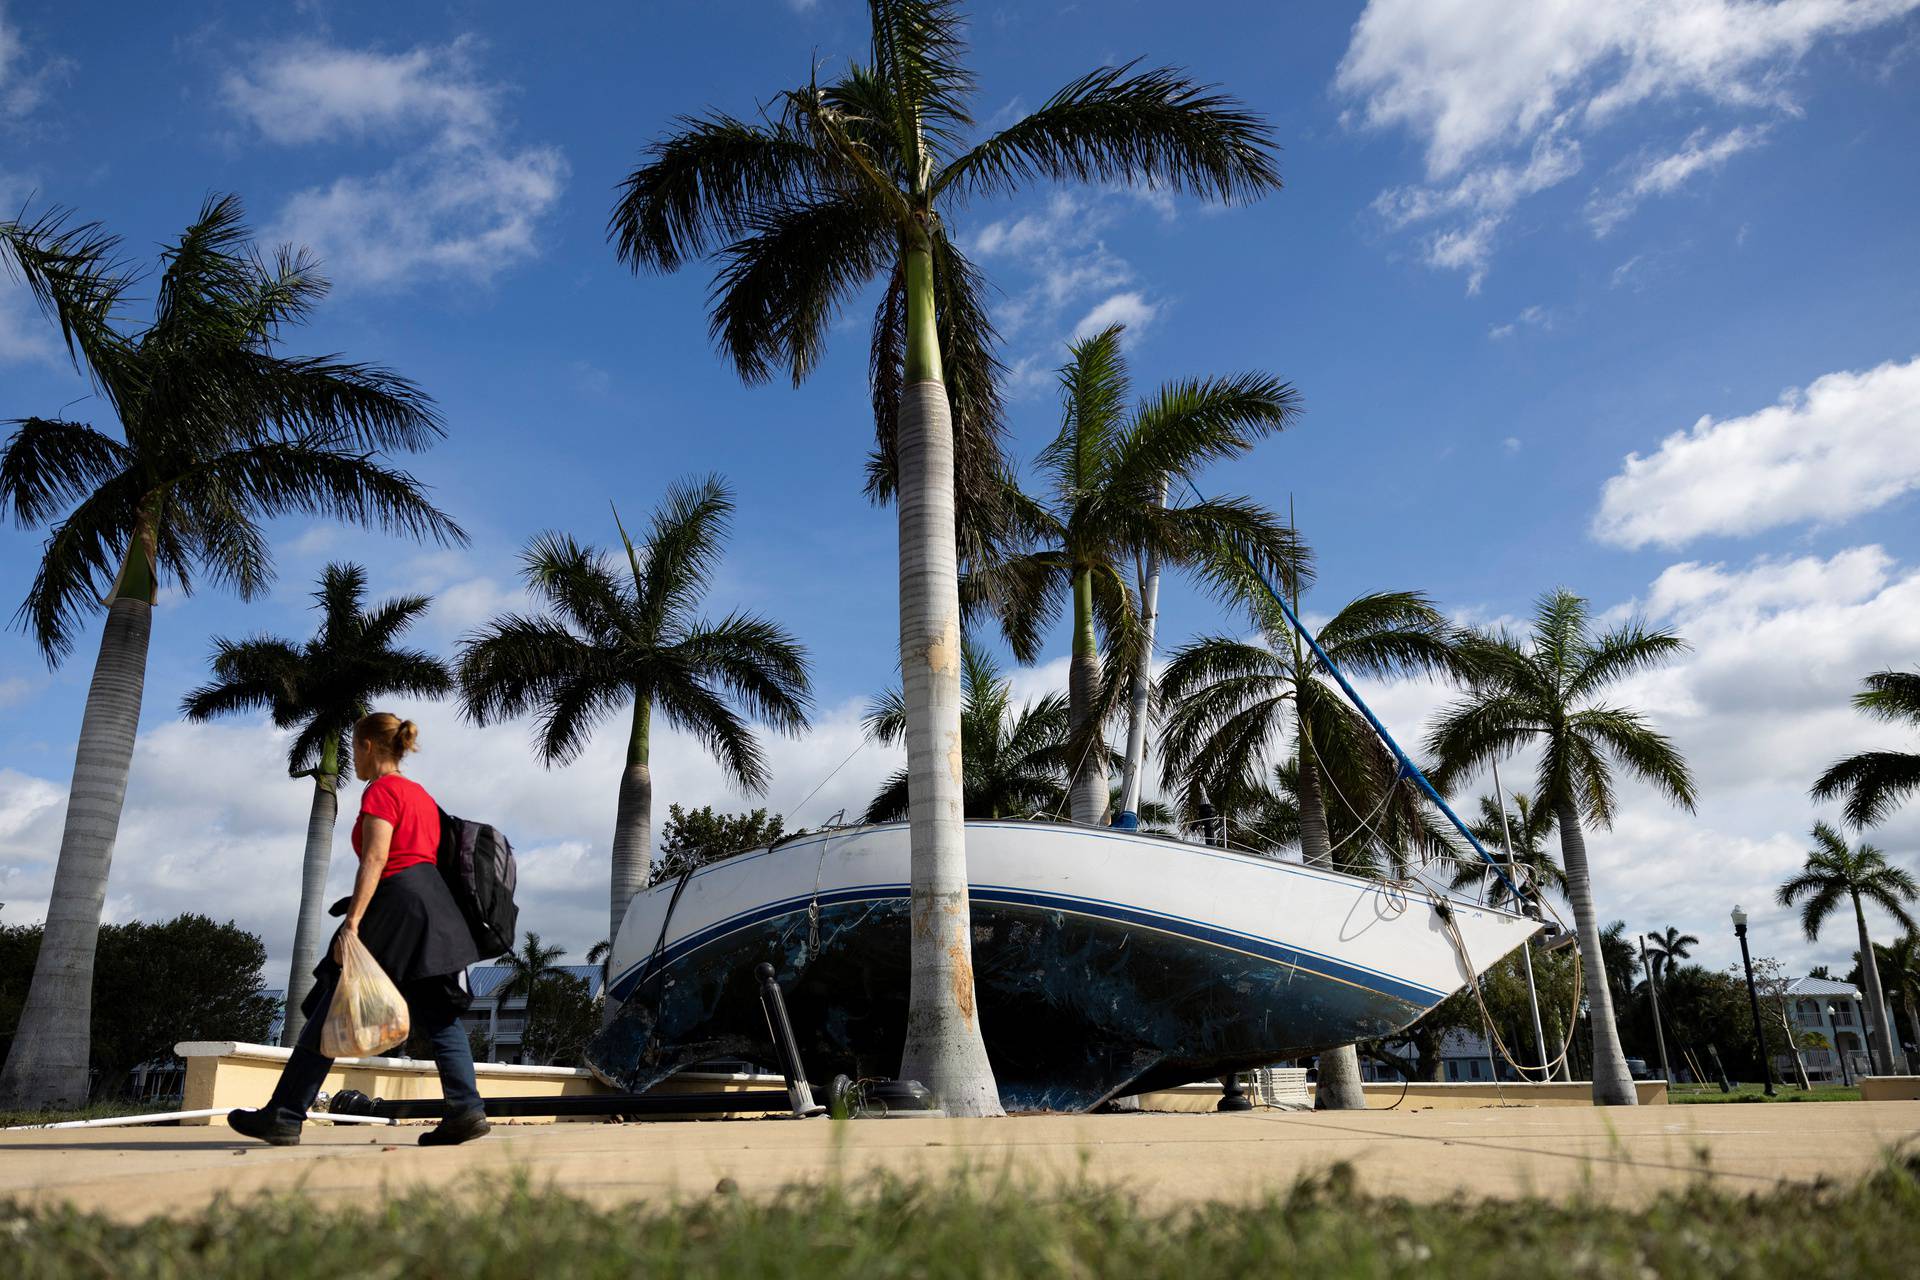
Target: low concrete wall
229 1074
1447 1096
1889 1088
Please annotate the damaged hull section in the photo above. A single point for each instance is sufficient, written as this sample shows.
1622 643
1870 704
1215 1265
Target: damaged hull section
1105 963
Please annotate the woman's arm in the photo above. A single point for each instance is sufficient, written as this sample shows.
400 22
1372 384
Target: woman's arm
376 839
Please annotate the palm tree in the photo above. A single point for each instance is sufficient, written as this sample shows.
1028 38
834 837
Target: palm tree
1835 871
1875 782
527 968
321 688
1900 964
1528 825
605 643
850 182
1546 690
1106 472
1667 949
219 430
1015 762
1233 701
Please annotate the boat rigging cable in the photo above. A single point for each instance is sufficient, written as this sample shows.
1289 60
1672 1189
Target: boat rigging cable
1408 769
1405 764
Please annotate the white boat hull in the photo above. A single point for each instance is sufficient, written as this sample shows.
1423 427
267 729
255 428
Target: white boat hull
1106 962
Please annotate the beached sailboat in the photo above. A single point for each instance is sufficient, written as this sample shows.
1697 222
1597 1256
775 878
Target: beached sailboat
1107 962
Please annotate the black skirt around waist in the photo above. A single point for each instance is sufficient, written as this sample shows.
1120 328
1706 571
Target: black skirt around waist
415 930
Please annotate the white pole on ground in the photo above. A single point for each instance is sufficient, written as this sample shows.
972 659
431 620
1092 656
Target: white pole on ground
162 1117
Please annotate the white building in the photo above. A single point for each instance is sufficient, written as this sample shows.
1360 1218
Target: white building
1835 1011
502 1020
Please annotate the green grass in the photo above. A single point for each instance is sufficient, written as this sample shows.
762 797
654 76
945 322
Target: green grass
1690 1093
986 1227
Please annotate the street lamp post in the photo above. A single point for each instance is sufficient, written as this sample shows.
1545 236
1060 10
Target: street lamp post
1833 1016
1753 997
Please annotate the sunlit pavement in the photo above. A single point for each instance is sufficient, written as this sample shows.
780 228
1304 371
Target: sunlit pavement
1617 1154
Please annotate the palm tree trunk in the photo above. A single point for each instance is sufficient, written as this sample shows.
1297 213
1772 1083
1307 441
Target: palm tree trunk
48 1063
1612 1082
1142 679
632 830
944 1049
1882 1041
1338 1082
1089 804
311 928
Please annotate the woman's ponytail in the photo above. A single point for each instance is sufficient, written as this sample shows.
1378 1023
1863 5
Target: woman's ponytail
388 735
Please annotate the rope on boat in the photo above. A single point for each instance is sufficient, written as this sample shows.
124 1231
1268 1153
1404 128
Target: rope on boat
1553 1064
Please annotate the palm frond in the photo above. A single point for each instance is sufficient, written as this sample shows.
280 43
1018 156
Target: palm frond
703 185
311 476
780 286
1873 782
75 274
1893 696
1188 424
50 463
701 712
685 537
1116 125
1647 754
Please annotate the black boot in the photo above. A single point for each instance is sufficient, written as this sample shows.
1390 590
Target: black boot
270 1124
462 1126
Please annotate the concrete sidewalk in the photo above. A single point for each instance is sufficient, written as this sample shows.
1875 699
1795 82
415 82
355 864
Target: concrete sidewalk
1625 1155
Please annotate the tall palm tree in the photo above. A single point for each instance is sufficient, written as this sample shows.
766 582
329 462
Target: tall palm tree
1900 965
533 964
604 644
1528 825
219 429
850 182
1546 691
1667 949
1233 702
1833 872
321 688
1015 761
1106 472
1875 782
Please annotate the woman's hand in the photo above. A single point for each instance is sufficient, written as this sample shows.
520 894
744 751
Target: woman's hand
349 928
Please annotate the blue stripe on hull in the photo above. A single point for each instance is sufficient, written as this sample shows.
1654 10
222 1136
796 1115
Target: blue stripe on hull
1194 930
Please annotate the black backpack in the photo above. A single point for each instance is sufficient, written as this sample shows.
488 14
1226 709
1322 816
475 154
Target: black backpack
477 863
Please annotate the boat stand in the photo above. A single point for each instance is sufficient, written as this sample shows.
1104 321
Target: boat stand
796 1099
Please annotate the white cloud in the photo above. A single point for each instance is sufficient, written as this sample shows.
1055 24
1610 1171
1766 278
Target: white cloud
459 199
1534 317
1480 81
25 335
1129 309
1847 444
23 84
1666 174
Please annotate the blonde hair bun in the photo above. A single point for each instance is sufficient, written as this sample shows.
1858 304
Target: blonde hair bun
388 734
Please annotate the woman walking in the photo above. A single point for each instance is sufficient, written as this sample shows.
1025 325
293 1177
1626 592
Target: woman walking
403 913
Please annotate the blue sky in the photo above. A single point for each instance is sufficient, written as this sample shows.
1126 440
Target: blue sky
1512 254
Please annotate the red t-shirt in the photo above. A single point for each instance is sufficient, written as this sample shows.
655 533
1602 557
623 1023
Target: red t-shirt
415 818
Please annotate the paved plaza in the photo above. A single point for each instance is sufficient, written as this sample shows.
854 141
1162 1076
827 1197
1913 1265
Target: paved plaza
1623 1155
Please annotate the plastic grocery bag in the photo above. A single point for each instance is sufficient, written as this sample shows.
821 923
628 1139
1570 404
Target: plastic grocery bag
368 1014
